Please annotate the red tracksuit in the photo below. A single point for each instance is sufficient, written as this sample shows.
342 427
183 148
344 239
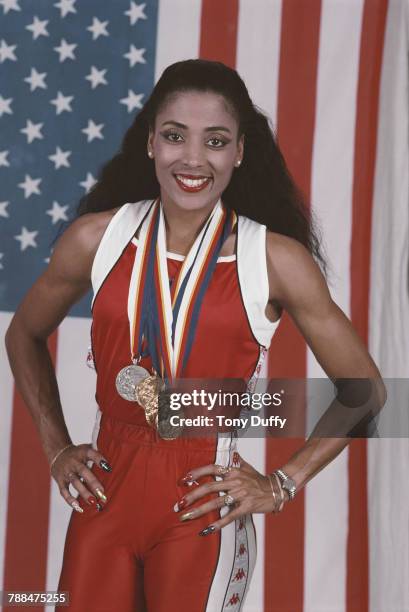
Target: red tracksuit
135 554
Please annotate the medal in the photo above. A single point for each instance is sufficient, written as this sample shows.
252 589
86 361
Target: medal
128 379
130 376
163 320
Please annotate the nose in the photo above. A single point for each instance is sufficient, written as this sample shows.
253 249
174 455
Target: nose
193 155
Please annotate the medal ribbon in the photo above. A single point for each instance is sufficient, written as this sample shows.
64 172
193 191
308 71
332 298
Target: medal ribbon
138 294
179 308
167 317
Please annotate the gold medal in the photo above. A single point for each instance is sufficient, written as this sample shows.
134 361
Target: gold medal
147 394
166 332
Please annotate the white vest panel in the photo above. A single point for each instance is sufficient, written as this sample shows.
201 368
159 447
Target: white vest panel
251 262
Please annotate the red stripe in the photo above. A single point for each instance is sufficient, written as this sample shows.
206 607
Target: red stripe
372 40
28 502
284 542
218 33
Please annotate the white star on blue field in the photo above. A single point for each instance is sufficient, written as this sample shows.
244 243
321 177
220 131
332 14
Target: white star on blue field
72 77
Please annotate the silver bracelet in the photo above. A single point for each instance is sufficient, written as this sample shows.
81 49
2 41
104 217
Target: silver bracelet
58 454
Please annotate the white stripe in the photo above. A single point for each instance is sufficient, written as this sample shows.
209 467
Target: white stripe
253 450
165 290
331 196
224 587
135 279
258 51
389 314
258 45
178 34
76 383
118 233
6 415
388 461
253 278
389 331
178 257
227 535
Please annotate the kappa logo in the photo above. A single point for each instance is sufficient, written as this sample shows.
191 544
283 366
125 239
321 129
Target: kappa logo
241 524
242 551
236 460
240 574
234 600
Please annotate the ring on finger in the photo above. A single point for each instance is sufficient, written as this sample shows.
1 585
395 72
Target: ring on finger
221 470
229 500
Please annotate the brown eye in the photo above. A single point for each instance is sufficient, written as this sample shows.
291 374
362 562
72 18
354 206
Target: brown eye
217 146
167 136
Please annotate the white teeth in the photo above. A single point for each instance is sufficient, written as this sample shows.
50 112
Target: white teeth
191 182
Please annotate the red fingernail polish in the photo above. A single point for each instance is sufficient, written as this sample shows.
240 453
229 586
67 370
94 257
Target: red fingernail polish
185 479
91 500
182 503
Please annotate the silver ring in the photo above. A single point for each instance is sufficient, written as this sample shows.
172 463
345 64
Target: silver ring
228 500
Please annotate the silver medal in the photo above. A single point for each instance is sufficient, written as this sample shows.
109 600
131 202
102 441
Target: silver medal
128 379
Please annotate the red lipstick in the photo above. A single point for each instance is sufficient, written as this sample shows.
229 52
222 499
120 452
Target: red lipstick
192 188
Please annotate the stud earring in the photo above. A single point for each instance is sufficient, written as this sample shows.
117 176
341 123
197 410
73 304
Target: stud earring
238 163
150 154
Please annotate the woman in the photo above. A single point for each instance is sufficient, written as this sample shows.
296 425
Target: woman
165 524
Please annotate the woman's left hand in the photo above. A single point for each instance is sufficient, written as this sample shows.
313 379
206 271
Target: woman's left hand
250 490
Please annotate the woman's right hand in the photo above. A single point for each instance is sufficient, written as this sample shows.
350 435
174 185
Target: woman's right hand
70 467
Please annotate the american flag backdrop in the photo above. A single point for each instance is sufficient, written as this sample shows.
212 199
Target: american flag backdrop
333 77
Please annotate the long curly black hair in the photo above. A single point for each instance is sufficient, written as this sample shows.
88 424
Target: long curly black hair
261 188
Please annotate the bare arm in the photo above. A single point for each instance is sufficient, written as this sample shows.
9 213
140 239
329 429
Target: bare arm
63 283
298 285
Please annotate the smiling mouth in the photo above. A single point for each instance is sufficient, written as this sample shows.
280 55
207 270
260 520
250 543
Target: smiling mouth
192 184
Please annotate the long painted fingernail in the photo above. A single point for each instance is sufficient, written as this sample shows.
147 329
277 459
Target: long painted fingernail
105 465
76 506
188 479
180 504
186 482
187 516
208 530
99 507
91 500
101 495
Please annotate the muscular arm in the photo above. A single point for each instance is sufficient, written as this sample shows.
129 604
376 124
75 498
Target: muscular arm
297 284
63 283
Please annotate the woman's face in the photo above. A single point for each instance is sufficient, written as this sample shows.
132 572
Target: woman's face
195 149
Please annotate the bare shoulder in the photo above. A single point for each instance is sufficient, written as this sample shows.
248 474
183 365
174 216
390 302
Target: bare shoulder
67 277
285 251
75 249
293 272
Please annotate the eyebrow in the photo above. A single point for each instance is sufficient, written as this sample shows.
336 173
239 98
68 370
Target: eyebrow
212 128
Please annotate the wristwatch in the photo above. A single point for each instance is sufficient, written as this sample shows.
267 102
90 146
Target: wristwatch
287 483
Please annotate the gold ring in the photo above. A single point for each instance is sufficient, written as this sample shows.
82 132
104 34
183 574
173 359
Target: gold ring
228 500
223 470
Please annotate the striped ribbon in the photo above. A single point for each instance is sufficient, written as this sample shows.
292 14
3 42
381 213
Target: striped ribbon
164 319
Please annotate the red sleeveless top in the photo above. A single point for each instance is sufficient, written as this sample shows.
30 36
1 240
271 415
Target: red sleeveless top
224 345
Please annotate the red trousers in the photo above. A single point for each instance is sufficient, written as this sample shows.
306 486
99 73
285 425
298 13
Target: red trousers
135 555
